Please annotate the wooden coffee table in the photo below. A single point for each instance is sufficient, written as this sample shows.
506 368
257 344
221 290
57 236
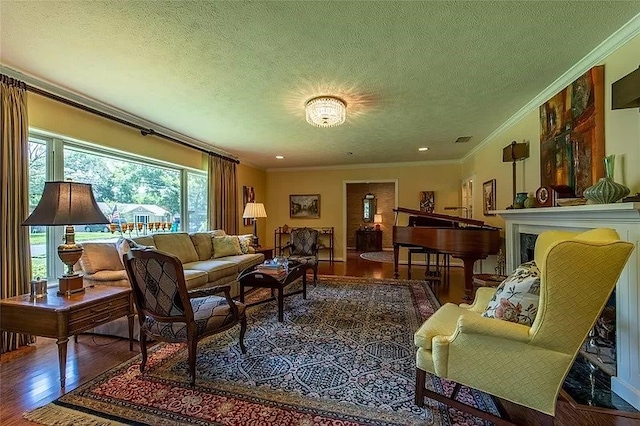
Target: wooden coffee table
252 278
61 317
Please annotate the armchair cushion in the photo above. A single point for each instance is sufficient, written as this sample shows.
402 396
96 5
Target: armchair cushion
226 246
516 299
209 313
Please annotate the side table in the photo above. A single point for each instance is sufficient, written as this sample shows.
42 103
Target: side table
61 317
267 251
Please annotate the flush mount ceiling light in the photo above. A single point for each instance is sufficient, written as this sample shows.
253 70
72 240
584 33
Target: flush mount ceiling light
326 111
422 149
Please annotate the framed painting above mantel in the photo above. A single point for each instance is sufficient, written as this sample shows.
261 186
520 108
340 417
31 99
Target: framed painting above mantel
572 134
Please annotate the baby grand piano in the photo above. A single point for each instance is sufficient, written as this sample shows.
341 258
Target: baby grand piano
466 239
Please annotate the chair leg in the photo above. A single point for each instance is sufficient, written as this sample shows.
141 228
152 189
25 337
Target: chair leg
143 350
243 329
193 345
421 377
315 274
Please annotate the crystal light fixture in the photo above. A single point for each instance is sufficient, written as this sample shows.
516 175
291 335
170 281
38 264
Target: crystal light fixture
326 111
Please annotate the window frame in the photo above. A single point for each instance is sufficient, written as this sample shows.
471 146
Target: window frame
55 146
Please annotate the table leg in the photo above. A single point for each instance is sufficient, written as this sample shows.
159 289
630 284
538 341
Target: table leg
280 304
409 256
241 293
304 285
62 359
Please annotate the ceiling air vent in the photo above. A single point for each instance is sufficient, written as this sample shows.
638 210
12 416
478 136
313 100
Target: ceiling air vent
463 139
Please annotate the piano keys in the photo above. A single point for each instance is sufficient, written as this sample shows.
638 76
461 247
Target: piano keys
465 239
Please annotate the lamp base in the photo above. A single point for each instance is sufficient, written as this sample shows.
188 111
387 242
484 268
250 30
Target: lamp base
70 285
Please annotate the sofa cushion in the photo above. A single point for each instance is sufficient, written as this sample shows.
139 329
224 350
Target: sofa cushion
215 268
516 298
178 244
116 278
144 240
203 245
218 233
195 278
243 261
123 245
100 257
228 245
245 242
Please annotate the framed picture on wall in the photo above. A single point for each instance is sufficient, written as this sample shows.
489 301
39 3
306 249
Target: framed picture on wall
489 197
248 196
304 206
427 201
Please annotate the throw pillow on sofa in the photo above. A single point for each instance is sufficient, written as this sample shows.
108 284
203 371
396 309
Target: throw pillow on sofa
228 245
516 298
245 242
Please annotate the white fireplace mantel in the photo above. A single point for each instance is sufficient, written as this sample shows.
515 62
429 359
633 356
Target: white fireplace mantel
625 219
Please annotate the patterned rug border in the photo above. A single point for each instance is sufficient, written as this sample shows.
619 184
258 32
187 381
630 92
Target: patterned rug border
424 303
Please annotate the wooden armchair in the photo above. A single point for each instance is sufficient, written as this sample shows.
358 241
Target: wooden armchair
303 247
168 312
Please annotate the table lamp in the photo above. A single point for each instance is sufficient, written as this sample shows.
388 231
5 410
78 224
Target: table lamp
377 219
67 203
512 153
254 211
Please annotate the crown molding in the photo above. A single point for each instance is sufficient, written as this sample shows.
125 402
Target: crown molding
108 109
596 56
367 166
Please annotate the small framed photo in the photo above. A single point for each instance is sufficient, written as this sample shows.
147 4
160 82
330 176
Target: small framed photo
304 206
489 197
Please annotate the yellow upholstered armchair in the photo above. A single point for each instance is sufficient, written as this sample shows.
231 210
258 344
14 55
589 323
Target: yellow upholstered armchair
522 364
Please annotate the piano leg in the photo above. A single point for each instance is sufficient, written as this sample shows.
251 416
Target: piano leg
468 277
396 251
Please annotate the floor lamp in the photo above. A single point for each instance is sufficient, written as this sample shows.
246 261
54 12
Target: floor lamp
254 211
512 153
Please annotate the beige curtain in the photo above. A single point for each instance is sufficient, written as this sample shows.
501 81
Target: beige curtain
223 195
15 252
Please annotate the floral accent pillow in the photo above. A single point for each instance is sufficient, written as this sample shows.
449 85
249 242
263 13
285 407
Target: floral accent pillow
516 298
245 242
228 245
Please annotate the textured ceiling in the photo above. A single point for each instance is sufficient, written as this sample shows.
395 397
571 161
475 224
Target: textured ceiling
236 75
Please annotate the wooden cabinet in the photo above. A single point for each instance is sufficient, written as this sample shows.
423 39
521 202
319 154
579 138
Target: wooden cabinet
368 240
281 238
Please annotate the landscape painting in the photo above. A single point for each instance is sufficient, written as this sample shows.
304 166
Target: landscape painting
304 206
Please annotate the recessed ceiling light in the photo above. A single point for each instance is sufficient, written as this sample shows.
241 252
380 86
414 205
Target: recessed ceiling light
279 157
424 148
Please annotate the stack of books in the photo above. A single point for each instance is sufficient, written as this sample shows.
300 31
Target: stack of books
276 271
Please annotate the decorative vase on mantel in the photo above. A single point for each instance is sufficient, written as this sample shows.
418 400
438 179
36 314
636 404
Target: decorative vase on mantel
518 202
606 190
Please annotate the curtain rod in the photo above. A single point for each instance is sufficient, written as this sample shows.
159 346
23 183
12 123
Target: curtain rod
144 131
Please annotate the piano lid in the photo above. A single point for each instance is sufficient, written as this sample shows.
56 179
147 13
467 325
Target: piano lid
444 217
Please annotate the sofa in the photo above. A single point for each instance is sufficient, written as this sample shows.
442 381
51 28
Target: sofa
208 259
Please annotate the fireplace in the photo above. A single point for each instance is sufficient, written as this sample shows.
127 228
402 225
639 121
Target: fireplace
523 225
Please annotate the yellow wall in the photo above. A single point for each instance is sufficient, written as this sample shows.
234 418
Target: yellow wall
55 117
250 176
622 137
444 179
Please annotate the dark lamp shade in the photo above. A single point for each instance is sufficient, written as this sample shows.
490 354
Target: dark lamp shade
625 93
66 203
515 151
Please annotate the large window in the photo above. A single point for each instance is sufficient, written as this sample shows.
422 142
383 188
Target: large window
138 196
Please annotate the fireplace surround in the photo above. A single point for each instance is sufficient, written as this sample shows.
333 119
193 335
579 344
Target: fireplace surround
625 219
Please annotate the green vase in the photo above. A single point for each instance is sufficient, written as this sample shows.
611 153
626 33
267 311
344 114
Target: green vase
606 190
518 202
530 202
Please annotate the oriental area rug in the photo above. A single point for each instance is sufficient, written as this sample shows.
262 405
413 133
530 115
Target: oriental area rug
344 356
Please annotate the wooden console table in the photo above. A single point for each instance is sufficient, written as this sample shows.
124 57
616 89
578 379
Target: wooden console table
368 240
61 317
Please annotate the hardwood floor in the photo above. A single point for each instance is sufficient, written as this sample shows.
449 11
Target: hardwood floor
29 376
